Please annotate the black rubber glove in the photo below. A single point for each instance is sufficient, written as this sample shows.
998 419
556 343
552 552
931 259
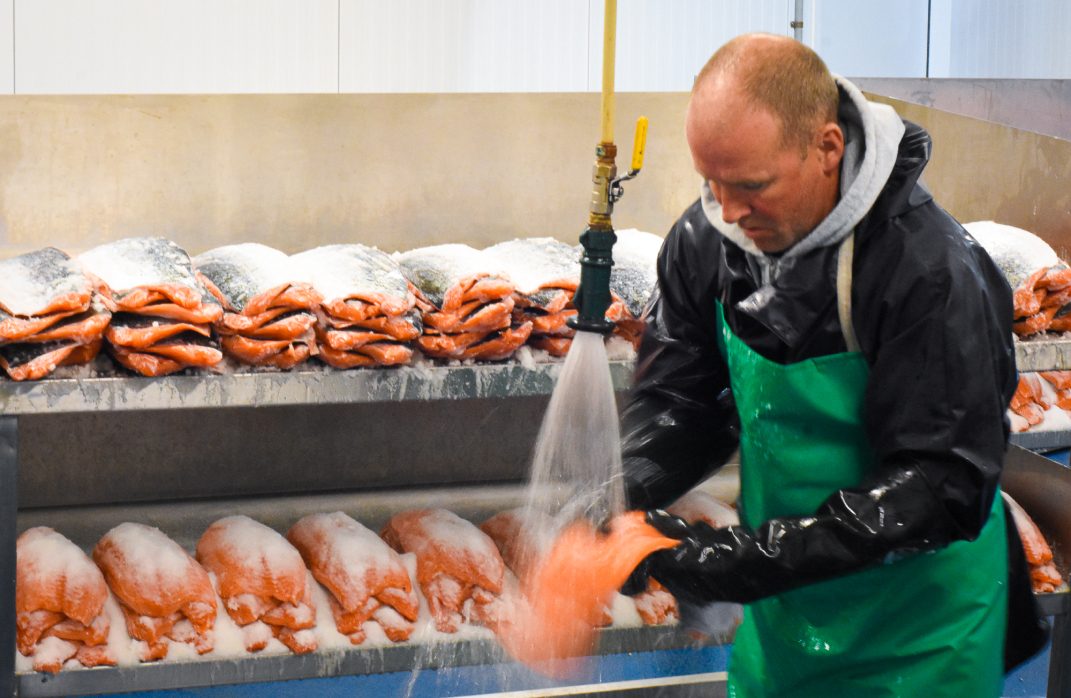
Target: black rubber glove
688 571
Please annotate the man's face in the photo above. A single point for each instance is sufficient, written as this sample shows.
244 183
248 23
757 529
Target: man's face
776 193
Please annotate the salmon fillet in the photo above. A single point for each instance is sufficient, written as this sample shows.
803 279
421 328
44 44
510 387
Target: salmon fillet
207 313
475 316
1060 380
141 335
59 593
144 363
1036 548
344 359
403 328
566 593
483 288
46 358
187 351
260 577
140 298
292 327
84 328
554 324
292 296
1028 401
14 328
367 306
366 580
254 352
555 346
475 345
655 604
164 593
456 562
348 340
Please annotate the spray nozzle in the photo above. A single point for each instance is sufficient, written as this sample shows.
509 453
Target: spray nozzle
592 296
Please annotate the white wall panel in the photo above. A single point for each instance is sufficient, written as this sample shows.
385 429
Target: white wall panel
662 44
1007 39
870 38
463 45
7 47
176 46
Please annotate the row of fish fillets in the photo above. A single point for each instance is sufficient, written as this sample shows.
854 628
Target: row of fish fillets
157 311
70 606
485 304
267 584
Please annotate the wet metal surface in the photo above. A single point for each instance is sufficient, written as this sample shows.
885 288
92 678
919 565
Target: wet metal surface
309 386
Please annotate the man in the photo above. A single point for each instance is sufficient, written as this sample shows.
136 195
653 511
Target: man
819 310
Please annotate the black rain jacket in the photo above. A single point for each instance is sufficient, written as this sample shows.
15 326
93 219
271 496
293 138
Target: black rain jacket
932 314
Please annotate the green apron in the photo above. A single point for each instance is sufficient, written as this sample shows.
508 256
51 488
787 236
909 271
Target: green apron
929 624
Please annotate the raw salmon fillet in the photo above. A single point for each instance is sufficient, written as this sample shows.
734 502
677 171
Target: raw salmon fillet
366 580
1043 574
261 578
1028 401
27 361
520 536
567 589
164 593
367 316
59 594
456 563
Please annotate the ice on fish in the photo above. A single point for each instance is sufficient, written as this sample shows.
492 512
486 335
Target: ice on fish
634 274
1016 252
31 283
533 264
351 271
434 270
133 263
244 271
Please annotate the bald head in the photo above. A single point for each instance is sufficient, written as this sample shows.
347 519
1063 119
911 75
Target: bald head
775 74
763 133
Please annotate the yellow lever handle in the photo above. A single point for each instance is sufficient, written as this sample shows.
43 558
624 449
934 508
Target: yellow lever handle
639 144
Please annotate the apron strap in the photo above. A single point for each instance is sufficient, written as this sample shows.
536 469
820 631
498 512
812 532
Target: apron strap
844 291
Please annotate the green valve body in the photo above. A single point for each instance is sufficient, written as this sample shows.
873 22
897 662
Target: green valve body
592 296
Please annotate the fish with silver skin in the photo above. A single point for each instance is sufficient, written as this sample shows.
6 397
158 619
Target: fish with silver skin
352 271
634 275
436 269
540 268
145 262
42 282
244 271
1016 252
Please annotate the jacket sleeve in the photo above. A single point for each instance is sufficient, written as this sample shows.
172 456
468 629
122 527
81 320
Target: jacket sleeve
679 423
938 338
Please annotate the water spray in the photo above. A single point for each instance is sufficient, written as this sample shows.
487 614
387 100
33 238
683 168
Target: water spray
592 296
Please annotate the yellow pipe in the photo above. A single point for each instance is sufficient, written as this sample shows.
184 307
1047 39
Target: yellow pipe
609 34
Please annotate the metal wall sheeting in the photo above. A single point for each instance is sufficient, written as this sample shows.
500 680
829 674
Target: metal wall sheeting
986 171
296 171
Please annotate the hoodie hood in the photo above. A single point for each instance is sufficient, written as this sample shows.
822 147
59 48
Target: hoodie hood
872 134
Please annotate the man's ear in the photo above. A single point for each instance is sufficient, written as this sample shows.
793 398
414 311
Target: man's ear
830 141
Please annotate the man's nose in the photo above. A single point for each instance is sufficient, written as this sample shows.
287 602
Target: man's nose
732 208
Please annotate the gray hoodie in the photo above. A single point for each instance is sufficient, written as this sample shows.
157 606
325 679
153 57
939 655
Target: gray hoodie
872 135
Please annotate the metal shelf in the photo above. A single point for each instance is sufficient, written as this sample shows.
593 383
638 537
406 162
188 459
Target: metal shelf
283 667
1043 354
312 386
1042 440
